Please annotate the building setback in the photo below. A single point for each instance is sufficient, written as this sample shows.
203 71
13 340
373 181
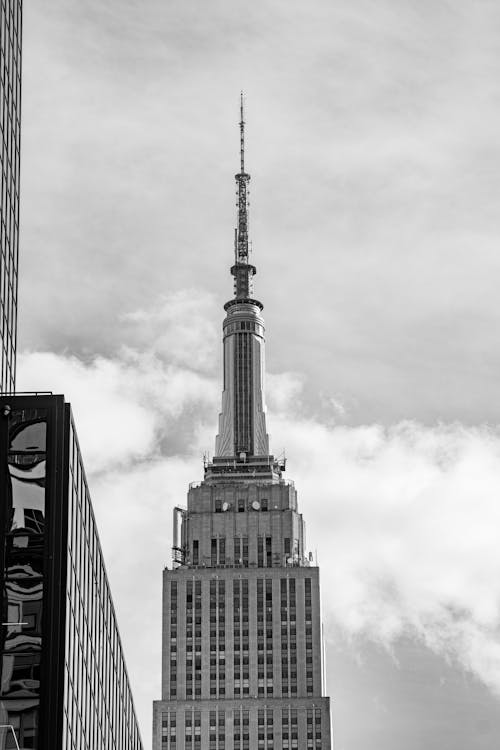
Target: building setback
63 681
10 126
242 644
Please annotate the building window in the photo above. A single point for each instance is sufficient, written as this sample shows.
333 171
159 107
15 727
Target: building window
213 554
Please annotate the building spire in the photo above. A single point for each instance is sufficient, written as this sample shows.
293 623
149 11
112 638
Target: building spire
242 135
242 180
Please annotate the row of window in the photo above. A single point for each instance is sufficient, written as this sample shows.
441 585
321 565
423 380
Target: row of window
195 731
243 325
242 504
221 556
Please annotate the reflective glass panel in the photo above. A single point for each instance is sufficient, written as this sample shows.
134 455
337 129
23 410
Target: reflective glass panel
24 508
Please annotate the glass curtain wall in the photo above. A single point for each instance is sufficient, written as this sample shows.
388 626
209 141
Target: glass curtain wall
63 680
10 144
98 706
23 518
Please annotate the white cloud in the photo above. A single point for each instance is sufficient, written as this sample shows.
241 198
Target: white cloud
406 523
123 406
405 519
283 392
179 328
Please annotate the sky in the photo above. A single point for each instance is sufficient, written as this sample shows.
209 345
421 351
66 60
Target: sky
373 149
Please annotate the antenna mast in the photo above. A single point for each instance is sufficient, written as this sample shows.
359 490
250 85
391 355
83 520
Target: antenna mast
242 180
242 136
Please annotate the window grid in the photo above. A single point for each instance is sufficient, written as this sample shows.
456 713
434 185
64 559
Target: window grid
217 639
98 709
10 107
241 729
288 610
169 730
265 677
308 634
193 638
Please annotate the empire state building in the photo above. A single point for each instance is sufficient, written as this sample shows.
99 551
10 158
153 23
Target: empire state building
242 642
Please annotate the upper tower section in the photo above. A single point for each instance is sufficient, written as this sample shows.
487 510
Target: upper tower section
242 444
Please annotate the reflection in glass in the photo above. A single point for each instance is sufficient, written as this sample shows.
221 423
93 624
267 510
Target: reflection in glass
23 559
28 495
21 633
29 436
27 470
24 614
20 675
22 715
7 737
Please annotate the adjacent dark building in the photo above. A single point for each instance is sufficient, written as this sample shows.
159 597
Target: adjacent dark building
242 639
63 681
10 125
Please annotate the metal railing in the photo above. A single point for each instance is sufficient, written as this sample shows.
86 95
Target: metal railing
286 562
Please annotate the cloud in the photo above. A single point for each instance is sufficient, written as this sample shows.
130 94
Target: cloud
406 523
405 519
179 329
283 392
125 407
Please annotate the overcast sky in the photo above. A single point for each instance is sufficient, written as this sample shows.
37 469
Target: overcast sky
372 141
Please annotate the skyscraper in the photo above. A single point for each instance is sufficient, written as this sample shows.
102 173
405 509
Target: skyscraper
63 681
10 123
242 644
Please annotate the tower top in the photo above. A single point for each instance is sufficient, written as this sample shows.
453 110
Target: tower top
242 443
242 180
242 135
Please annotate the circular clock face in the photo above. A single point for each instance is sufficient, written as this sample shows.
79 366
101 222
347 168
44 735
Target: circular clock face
225 506
256 505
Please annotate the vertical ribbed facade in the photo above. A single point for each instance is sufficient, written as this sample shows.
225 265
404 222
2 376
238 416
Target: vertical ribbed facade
242 644
10 126
242 422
